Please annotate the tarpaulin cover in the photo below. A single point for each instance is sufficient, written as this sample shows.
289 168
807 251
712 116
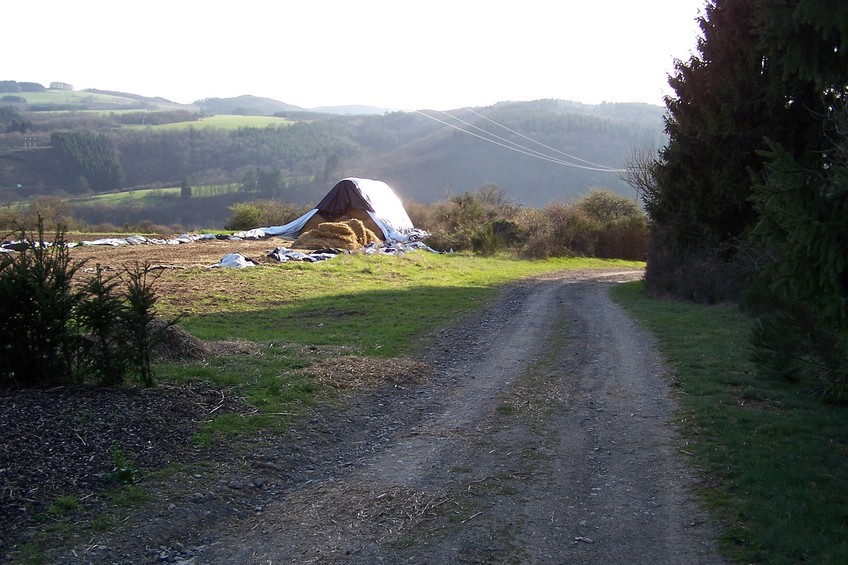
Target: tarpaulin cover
372 196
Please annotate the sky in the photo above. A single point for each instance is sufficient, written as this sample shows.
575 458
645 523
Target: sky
392 54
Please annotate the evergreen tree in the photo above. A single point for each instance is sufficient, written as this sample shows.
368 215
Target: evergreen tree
185 189
729 98
802 201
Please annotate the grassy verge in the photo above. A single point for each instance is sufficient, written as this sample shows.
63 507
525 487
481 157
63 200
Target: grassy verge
376 305
772 455
295 315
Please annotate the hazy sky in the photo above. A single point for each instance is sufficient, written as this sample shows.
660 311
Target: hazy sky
397 54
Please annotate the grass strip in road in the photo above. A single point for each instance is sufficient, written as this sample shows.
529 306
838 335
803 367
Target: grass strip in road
772 455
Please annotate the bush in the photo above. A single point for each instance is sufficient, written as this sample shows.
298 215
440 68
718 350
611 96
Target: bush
559 230
37 312
56 332
262 213
465 222
709 273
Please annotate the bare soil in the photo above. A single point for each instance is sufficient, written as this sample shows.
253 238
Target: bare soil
541 431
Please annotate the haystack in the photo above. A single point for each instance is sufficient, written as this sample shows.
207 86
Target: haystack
351 234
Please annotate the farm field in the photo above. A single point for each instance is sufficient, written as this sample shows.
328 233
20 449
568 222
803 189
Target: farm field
222 121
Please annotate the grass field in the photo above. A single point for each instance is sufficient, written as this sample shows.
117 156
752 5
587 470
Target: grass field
80 98
144 197
223 121
771 453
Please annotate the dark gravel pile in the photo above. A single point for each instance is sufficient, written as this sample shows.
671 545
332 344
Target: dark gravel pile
69 441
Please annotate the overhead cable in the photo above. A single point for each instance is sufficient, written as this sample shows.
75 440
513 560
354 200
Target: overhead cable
513 146
611 169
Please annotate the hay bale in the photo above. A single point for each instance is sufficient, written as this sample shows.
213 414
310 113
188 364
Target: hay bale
365 218
336 228
313 222
350 234
363 235
320 238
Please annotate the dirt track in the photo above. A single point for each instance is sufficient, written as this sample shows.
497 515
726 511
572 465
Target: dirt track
544 436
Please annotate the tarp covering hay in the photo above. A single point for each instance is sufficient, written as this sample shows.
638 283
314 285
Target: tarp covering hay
351 234
371 201
361 372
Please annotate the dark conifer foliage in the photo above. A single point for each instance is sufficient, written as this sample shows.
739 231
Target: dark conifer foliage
748 198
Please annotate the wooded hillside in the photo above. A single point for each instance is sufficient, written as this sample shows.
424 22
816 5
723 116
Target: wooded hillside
425 155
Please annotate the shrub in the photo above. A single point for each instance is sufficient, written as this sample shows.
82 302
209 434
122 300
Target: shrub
708 273
103 356
466 221
559 230
37 311
257 213
626 238
137 319
246 215
621 227
57 332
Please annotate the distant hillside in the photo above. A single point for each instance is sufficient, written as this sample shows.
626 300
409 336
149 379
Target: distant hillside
353 110
244 105
36 98
537 152
503 150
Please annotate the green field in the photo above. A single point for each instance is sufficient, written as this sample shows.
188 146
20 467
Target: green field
80 98
144 197
224 121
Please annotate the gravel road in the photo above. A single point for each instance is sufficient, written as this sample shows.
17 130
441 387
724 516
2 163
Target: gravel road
545 434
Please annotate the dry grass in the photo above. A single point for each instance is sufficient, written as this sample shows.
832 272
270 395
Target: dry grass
348 372
333 520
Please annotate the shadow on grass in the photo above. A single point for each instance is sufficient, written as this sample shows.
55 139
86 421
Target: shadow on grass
381 323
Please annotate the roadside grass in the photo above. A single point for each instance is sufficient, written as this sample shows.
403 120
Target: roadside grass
295 315
771 454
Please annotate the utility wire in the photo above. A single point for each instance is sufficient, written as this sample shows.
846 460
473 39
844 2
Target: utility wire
611 169
513 146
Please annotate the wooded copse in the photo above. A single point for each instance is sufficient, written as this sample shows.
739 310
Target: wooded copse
748 198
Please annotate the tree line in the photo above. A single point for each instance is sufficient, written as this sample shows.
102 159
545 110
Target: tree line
748 198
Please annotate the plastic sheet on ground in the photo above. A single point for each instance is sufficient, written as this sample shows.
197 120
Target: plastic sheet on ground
234 261
283 255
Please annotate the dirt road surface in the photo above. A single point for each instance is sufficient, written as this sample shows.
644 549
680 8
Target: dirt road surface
545 434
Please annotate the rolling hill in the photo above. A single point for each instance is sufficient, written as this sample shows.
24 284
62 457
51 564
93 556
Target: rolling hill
537 152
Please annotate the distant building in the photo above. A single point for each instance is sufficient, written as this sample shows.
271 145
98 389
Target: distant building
61 86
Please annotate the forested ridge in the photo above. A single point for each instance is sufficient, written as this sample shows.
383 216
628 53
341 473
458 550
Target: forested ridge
424 155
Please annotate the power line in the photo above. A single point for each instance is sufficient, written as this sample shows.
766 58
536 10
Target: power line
611 169
513 146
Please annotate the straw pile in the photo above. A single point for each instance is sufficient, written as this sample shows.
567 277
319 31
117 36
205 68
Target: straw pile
177 344
350 234
361 372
